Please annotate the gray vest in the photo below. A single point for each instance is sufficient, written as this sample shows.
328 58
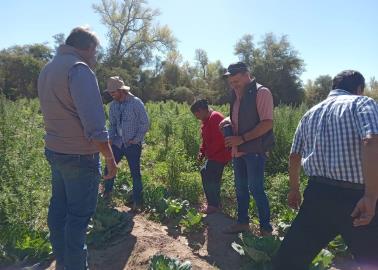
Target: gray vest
64 131
248 120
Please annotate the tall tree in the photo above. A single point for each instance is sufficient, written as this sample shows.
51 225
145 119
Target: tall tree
275 64
318 90
59 39
132 31
372 91
245 48
202 60
19 69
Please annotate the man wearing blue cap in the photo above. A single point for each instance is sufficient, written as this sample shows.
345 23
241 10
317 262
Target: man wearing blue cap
251 116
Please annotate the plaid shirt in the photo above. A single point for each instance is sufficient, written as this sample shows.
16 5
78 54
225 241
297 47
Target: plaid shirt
329 136
128 121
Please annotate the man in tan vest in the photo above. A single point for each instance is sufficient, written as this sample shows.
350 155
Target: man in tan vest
74 119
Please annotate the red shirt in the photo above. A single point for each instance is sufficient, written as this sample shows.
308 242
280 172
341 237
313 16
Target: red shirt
212 146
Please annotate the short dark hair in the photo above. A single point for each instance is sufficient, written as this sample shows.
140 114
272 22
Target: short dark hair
349 80
199 104
82 38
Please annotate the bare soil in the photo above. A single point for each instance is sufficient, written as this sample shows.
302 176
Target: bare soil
209 249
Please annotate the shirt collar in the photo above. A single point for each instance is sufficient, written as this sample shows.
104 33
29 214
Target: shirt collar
338 92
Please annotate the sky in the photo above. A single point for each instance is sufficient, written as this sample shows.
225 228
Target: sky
330 36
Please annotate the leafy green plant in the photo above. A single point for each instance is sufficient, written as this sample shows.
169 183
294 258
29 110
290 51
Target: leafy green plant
163 262
19 243
260 250
107 224
176 208
323 260
338 246
192 221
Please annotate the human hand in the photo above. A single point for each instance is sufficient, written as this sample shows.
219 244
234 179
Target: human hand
200 156
364 211
224 122
112 169
132 142
233 141
294 199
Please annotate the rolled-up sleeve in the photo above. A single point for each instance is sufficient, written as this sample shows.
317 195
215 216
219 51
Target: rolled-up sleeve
367 117
87 99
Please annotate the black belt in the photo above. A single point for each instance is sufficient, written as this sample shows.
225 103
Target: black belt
336 183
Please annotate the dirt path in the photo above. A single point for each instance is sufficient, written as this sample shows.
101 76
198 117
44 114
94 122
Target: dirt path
210 249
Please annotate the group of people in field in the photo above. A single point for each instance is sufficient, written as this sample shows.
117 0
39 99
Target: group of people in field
336 143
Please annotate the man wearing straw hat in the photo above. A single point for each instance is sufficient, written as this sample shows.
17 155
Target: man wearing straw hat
128 126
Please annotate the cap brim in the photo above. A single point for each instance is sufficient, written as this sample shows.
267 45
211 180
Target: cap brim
226 74
127 88
234 72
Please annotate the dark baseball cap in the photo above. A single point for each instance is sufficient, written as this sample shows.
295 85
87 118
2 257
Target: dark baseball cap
235 68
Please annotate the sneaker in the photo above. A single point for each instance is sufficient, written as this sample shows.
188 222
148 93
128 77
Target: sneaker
236 228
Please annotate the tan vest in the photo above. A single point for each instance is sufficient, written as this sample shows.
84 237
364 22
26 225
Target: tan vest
64 131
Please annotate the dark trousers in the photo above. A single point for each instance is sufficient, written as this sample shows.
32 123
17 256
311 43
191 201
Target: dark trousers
132 153
324 214
211 174
75 180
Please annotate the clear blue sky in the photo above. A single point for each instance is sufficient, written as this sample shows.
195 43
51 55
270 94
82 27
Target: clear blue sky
329 35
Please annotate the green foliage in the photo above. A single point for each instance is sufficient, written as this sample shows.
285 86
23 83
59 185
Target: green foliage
192 221
24 180
169 171
260 250
286 120
318 90
19 243
163 262
107 224
322 261
132 31
276 65
338 246
176 208
19 69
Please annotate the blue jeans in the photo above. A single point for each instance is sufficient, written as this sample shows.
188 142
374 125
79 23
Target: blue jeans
211 174
75 180
132 153
249 178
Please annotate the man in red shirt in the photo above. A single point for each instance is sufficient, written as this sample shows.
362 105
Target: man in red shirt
215 152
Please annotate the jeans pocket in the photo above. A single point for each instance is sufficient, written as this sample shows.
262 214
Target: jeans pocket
49 155
92 162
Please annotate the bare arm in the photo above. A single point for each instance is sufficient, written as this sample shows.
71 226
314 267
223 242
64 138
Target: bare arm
225 121
365 208
294 196
263 127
